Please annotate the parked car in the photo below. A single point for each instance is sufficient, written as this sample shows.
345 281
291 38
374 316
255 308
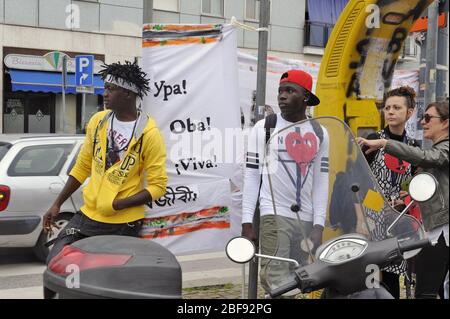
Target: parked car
33 170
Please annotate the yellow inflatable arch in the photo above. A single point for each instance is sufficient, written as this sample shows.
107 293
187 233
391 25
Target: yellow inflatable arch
357 68
360 58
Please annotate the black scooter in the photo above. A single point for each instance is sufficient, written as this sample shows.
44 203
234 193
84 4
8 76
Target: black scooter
345 264
309 162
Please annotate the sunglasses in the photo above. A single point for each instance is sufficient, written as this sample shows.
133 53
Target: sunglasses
427 117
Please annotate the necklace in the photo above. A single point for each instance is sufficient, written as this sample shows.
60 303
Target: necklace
113 153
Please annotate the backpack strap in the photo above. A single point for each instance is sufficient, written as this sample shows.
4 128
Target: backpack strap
269 123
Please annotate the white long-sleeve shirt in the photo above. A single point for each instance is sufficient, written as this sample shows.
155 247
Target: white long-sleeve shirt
305 185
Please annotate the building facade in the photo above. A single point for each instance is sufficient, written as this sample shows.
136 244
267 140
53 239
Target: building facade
36 34
33 31
286 29
298 29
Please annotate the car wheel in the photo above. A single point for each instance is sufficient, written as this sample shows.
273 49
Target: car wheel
40 250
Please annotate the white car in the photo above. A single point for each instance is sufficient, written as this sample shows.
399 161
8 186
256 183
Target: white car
33 171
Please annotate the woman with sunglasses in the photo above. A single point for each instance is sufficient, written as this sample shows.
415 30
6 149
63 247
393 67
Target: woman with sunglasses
390 171
432 262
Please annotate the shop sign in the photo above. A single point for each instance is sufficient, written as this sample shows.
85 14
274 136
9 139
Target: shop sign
49 63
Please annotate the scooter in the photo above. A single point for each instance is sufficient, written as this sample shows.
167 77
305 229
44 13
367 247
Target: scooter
367 234
113 267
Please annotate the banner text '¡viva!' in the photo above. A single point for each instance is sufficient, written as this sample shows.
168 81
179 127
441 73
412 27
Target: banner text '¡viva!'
167 89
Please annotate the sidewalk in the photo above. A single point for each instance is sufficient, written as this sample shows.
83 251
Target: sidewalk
234 291
214 276
227 291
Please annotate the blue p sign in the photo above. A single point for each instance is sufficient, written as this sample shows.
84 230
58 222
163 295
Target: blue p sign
84 70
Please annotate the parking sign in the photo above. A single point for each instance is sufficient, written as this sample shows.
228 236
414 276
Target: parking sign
84 70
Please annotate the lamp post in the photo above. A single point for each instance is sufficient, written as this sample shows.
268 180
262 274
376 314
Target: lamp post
264 14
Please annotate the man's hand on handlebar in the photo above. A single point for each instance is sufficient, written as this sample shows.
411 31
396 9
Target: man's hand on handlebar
247 231
316 237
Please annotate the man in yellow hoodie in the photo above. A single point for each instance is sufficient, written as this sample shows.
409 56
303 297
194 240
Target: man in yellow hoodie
122 149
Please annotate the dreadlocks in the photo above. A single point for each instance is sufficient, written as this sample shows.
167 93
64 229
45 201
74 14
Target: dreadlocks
128 75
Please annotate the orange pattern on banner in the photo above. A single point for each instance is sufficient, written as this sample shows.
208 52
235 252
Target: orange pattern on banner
176 27
183 223
184 229
207 212
155 43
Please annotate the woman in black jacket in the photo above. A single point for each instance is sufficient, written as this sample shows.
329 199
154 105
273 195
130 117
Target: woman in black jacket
389 171
432 262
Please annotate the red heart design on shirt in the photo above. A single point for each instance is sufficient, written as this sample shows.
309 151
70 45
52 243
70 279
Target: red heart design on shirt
396 165
302 149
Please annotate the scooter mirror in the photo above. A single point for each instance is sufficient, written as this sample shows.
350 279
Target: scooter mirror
240 250
422 187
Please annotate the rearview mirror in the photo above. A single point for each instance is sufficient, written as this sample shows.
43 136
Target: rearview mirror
240 250
422 187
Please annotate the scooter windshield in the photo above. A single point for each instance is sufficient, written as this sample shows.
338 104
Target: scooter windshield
315 176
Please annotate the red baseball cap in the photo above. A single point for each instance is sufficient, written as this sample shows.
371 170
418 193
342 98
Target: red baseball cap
303 79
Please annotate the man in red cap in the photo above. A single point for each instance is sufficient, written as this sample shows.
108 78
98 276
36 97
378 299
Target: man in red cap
298 190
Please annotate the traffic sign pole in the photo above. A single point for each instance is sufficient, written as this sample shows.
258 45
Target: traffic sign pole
84 78
64 81
83 110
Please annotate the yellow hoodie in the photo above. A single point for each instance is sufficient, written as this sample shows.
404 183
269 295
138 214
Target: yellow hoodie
144 159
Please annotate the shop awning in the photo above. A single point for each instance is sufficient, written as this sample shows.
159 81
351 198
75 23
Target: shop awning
38 81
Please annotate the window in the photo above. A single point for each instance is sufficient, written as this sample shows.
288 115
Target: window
74 160
42 160
320 18
317 33
4 147
167 5
252 10
212 7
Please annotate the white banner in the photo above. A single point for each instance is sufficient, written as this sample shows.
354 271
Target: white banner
194 101
275 68
191 217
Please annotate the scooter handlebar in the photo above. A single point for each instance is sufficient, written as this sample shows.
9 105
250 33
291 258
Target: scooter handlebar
405 246
321 271
283 289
